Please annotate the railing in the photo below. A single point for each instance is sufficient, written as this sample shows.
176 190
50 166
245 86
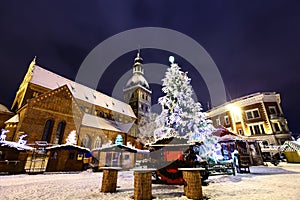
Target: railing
276 116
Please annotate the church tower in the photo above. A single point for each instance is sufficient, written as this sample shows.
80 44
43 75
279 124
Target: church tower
137 92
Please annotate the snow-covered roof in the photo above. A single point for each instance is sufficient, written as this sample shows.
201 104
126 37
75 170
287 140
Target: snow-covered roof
137 80
14 119
16 145
52 81
102 123
67 145
3 108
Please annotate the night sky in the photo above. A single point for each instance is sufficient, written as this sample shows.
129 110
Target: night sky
255 44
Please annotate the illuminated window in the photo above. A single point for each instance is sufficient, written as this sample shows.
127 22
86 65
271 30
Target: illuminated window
226 119
257 129
218 122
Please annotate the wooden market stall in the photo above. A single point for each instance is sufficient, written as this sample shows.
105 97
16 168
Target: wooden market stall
246 149
169 154
291 151
117 155
67 157
13 157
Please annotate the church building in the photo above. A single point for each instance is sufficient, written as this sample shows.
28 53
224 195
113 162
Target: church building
48 107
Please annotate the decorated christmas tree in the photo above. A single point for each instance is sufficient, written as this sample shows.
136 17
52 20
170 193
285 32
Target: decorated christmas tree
181 116
119 140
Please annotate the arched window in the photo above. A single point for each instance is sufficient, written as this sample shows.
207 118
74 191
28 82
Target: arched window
48 130
98 142
59 132
86 141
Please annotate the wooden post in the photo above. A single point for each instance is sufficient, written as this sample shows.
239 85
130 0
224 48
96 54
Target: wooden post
143 184
192 182
109 179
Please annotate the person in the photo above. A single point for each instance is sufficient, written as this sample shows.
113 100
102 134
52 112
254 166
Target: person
235 158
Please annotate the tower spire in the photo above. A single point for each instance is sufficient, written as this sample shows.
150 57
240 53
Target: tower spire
138 64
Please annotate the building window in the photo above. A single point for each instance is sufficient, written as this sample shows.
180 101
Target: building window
226 119
252 114
257 129
272 110
59 133
218 122
240 131
98 143
48 130
276 127
126 157
85 141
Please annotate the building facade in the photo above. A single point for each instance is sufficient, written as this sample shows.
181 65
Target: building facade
257 115
48 107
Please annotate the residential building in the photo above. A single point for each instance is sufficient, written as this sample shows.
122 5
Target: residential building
257 115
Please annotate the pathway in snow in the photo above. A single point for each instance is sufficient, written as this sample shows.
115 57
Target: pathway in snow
274 183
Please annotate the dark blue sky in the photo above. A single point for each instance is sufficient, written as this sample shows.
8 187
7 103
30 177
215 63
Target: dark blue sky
255 44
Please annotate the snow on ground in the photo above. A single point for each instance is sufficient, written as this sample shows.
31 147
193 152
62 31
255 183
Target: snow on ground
272 183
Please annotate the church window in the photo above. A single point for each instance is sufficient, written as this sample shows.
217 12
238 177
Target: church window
85 141
143 96
98 143
59 132
100 114
48 130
